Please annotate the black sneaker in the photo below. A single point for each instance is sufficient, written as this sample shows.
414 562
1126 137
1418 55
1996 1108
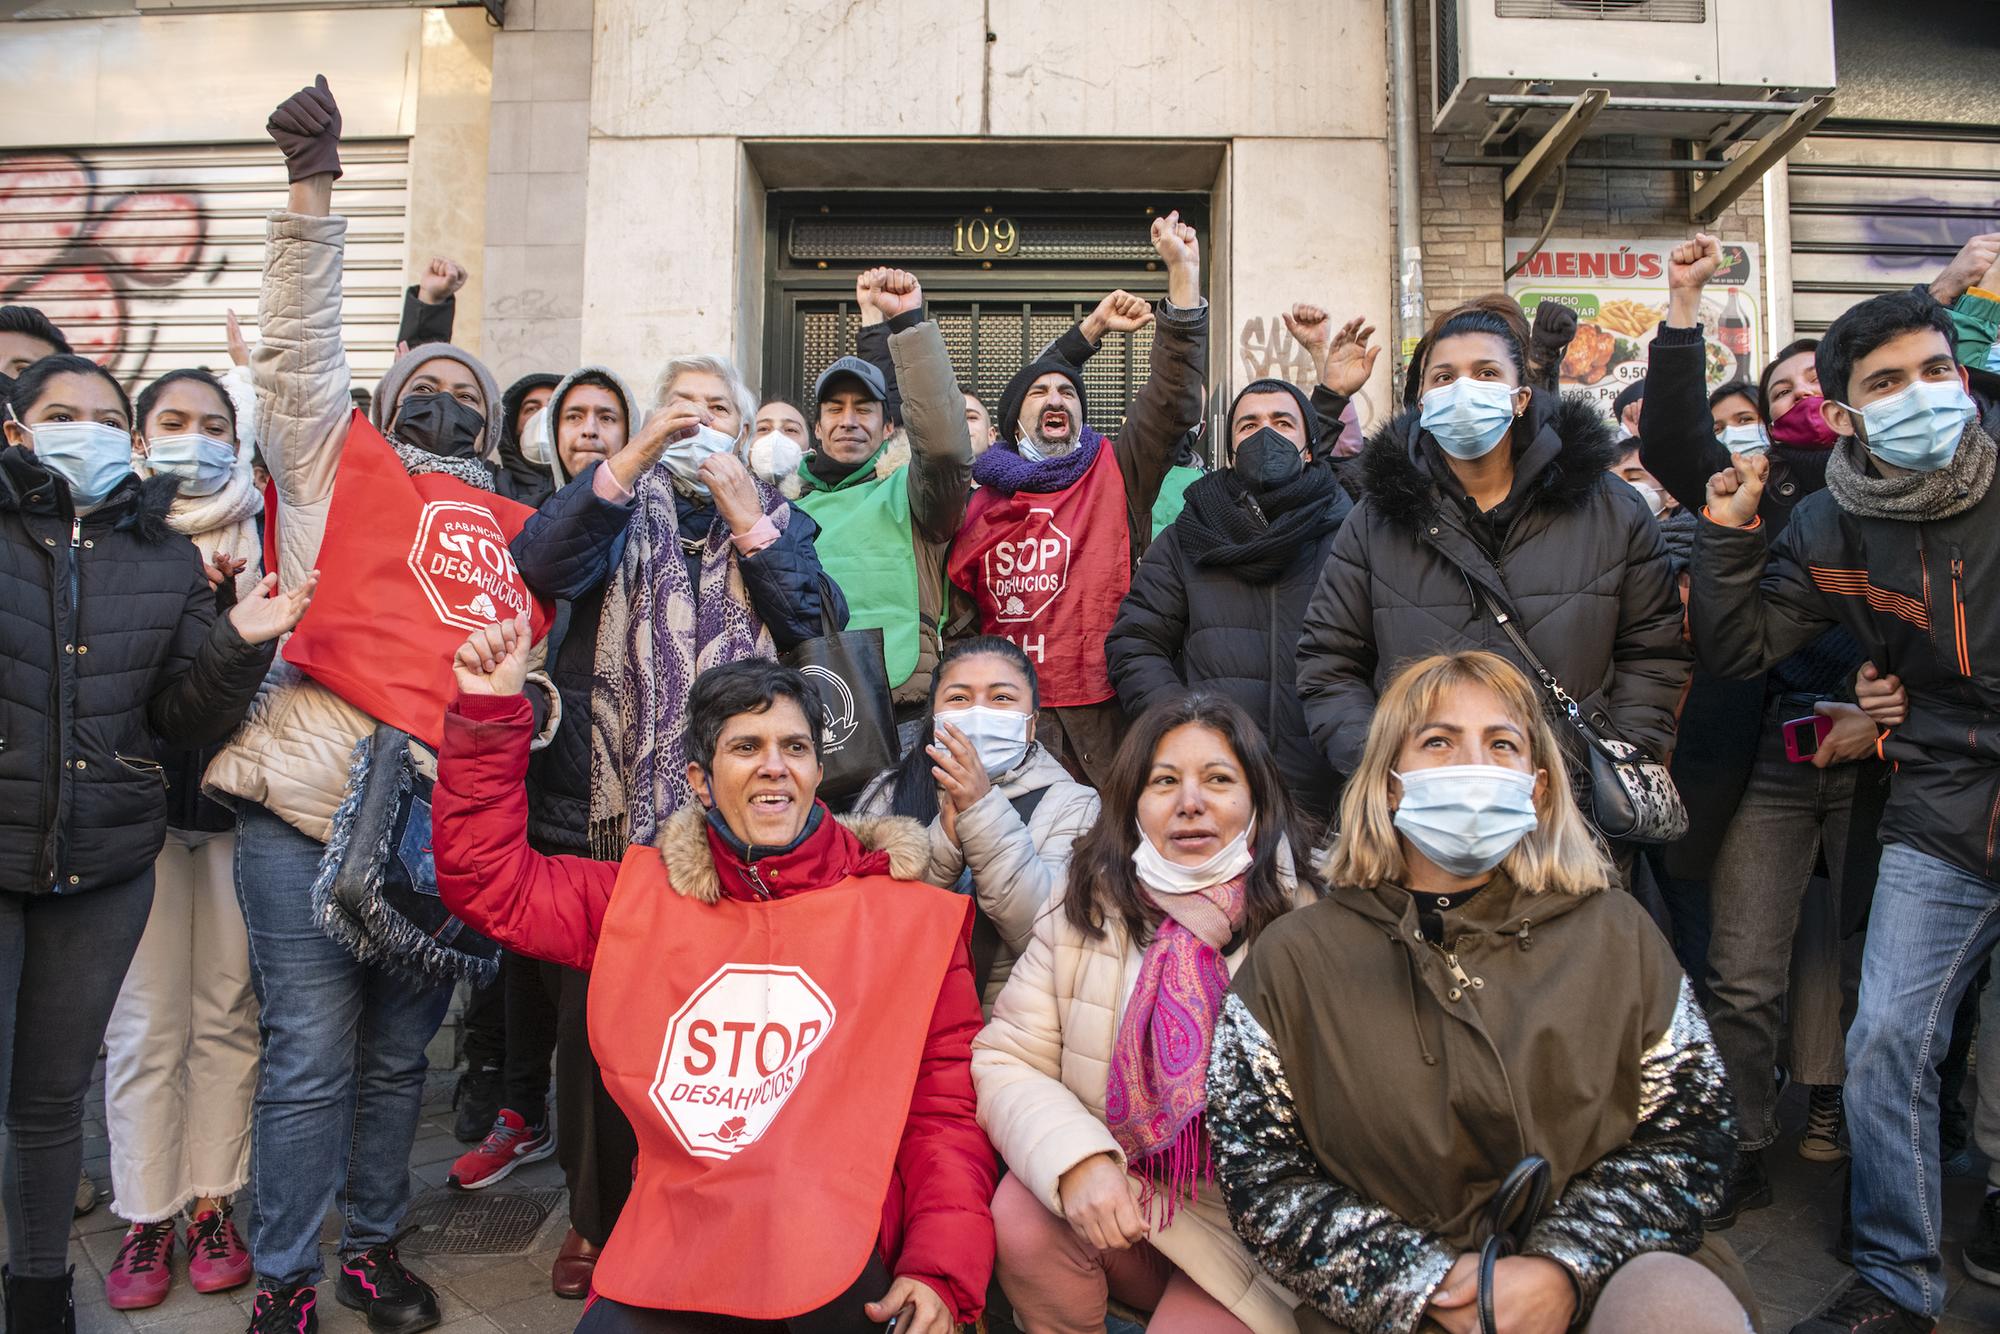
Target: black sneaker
394 1300
1863 1308
476 1098
1749 1188
1982 1249
287 1310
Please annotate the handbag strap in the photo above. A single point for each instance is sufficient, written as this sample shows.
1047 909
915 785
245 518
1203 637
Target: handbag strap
1505 620
1508 1219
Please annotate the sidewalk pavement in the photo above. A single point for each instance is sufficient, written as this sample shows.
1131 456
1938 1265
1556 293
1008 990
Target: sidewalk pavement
1786 1249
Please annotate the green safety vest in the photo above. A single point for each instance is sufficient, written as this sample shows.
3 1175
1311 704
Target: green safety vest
866 546
1173 496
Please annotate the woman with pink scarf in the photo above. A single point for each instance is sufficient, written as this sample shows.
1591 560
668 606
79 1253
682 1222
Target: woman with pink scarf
1092 1073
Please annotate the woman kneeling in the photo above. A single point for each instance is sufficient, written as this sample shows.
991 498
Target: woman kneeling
1467 996
1090 1075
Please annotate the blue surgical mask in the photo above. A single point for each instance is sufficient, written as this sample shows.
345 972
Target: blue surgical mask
998 736
1746 438
1993 356
1468 417
1918 428
1466 817
92 457
685 456
202 462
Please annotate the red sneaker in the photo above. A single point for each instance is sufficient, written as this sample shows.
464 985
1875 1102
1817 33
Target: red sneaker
217 1258
144 1269
510 1143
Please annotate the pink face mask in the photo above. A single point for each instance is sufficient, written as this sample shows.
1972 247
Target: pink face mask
1803 426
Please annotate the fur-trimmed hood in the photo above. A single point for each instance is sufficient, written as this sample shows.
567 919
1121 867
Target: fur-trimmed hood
684 847
1397 480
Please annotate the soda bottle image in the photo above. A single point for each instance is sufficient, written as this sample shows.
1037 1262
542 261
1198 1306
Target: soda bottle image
1733 331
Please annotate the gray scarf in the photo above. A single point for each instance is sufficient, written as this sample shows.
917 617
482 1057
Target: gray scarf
1921 497
473 472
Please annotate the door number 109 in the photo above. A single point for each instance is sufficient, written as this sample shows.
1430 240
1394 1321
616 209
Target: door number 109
975 236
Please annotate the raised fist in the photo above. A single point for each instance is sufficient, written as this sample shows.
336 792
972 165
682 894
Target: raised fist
1972 266
1175 241
1694 262
440 280
1119 312
306 126
898 292
494 659
1736 491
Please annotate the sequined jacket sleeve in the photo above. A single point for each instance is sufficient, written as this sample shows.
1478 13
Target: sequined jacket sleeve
1649 1195
1358 1264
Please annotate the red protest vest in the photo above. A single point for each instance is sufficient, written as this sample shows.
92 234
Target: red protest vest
1048 570
765 1053
409 566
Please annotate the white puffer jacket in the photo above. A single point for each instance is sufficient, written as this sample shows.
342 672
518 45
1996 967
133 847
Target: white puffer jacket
1016 867
292 753
1040 1067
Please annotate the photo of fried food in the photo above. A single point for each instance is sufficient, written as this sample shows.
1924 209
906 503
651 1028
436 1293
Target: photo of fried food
1589 355
1634 319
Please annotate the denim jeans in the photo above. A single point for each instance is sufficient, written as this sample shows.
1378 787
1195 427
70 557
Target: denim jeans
342 1081
62 958
1759 948
1931 927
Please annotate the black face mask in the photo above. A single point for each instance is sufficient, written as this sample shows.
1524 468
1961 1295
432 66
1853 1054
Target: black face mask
439 424
1267 460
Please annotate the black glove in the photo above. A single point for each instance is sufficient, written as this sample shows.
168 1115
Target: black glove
307 128
1555 326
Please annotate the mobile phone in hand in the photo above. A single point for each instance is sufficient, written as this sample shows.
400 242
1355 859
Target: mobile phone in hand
1804 735
899 1321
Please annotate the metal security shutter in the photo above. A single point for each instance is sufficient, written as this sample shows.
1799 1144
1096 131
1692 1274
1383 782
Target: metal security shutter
1878 205
136 253
988 342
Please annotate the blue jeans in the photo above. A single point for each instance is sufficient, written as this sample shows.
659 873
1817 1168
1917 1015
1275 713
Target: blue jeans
342 1080
1931 927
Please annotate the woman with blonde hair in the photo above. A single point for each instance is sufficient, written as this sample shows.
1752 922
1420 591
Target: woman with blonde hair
1465 997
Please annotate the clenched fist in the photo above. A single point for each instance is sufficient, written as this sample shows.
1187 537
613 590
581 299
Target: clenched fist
493 660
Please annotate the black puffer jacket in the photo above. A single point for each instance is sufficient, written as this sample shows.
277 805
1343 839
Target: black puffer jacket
569 552
1572 549
111 638
1188 624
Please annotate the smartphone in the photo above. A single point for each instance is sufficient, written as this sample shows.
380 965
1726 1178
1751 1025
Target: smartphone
1803 735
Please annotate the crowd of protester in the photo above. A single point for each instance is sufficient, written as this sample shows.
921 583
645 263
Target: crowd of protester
1378 887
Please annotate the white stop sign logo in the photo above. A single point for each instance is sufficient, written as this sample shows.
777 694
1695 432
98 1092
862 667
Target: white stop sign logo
735 1052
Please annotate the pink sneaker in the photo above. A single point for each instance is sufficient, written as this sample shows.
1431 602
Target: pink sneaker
217 1258
510 1143
144 1269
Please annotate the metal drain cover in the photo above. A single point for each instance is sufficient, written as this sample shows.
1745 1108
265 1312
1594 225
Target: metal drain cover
450 1222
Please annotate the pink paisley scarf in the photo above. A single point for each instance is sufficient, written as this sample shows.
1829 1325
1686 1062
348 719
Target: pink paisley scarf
1158 1086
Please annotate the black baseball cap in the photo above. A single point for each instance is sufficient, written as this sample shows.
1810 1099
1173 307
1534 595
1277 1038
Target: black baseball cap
866 372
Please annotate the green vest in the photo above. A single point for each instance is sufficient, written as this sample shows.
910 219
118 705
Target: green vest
867 547
1173 495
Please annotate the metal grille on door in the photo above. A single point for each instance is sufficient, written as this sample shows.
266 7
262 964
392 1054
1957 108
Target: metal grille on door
1876 207
136 253
988 342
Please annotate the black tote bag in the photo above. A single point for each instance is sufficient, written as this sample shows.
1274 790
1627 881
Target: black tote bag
858 738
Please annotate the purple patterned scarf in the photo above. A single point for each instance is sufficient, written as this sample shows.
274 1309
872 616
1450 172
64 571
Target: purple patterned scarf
1005 470
1158 1086
656 634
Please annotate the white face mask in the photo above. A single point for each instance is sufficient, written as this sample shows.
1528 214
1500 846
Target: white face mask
1655 498
1167 877
536 447
685 456
999 736
91 457
202 462
1466 817
1030 451
774 456
1746 438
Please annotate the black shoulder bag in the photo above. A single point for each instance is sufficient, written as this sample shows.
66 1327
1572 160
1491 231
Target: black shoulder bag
1632 796
1505 1225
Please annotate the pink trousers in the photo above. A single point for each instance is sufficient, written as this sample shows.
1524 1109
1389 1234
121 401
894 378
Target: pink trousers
1058 1283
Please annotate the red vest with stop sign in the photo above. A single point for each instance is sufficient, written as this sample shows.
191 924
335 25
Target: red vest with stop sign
1048 570
765 1053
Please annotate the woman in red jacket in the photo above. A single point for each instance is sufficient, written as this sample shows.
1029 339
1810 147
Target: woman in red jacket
784 1014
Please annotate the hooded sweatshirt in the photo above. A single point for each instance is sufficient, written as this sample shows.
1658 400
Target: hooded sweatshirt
382 407
529 477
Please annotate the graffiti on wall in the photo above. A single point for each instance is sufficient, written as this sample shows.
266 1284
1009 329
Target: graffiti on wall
1912 233
1267 348
83 253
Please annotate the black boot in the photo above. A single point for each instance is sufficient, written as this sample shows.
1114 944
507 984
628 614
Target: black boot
1749 1188
39 1305
477 1100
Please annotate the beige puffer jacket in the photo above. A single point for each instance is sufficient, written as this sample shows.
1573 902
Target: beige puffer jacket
1040 1068
1016 867
292 753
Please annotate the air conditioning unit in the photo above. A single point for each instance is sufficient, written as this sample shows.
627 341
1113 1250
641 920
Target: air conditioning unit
1706 50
